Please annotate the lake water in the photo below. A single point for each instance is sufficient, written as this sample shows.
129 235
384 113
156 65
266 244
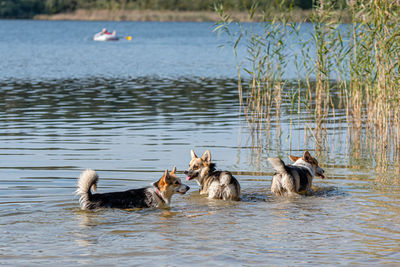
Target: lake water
132 109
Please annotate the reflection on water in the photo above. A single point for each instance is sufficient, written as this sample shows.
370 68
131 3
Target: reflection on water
130 130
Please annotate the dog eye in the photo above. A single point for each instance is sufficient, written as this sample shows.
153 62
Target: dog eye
195 167
176 182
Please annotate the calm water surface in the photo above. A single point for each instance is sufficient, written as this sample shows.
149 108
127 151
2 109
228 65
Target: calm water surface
132 109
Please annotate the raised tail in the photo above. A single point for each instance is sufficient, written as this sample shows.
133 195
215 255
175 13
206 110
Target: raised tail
87 180
278 164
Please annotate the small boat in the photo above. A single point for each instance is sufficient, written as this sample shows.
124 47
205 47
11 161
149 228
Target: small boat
106 36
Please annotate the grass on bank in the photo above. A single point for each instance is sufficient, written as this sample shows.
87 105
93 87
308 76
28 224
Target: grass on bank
175 15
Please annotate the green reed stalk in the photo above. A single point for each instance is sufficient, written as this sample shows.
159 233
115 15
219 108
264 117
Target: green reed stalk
266 62
365 67
374 65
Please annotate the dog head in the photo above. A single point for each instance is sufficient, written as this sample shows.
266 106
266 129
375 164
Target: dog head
311 161
198 167
170 184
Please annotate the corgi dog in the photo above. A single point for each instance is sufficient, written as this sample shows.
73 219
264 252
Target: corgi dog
214 183
296 178
157 195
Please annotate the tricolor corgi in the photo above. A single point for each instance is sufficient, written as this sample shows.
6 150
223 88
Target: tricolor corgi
296 178
157 195
213 183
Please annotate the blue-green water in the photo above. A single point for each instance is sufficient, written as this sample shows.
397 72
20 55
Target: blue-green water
132 109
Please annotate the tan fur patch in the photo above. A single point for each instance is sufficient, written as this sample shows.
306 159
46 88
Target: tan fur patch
293 158
163 184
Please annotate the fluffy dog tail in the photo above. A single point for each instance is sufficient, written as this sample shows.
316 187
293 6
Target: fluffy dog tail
87 180
278 164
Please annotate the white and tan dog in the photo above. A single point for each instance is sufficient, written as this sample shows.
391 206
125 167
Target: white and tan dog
214 183
296 178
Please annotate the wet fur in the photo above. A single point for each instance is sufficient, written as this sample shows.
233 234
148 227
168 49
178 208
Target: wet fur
145 197
213 183
296 178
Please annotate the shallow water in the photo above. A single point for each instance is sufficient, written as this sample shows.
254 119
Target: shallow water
58 119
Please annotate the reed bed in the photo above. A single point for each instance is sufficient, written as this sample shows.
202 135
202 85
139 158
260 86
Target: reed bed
352 68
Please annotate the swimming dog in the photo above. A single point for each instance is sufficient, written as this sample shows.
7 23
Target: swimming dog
216 184
296 178
157 195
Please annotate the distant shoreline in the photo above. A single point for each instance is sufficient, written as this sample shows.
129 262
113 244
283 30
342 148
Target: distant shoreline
138 15
162 15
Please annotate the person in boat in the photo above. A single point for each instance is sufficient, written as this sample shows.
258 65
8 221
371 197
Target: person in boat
104 31
105 35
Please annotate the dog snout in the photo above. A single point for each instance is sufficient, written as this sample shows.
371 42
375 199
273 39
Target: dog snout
189 172
320 172
183 189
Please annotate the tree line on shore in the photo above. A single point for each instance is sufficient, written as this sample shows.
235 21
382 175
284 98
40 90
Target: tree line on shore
30 8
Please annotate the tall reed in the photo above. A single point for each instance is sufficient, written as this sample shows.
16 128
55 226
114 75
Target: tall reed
358 62
266 47
374 74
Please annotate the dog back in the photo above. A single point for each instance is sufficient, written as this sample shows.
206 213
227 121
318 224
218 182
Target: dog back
301 174
289 178
134 198
221 185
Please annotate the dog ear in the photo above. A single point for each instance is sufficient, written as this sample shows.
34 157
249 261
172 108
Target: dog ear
206 156
307 156
293 158
173 171
192 154
166 178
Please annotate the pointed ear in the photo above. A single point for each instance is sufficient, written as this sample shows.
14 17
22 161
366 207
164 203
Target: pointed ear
206 156
293 158
307 156
173 171
192 154
166 177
